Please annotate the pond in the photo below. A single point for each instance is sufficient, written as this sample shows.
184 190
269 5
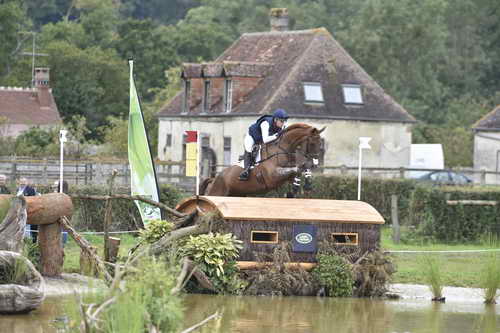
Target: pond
295 314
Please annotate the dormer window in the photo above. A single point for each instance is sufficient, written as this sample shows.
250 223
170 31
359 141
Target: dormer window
313 92
352 94
206 96
187 92
228 95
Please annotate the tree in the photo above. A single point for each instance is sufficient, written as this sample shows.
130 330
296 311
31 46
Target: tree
91 83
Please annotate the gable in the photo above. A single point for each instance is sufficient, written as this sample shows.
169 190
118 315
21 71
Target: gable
293 58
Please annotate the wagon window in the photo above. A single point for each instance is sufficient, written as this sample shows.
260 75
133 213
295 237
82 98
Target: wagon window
345 238
269 237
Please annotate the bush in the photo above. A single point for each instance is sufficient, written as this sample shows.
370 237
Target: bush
334 273
155 230
214 254
89 214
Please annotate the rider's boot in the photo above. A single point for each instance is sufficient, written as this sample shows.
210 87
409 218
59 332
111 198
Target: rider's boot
247 160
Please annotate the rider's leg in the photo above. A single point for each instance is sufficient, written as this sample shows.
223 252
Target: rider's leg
248 160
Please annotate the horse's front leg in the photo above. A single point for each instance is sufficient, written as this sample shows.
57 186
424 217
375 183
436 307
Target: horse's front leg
307 182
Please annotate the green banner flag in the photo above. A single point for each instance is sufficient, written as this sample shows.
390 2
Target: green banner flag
142 172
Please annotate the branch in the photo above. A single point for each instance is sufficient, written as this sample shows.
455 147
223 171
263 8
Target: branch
201 323
131 197
87 247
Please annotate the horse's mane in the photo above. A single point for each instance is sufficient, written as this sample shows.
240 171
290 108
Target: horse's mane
297 126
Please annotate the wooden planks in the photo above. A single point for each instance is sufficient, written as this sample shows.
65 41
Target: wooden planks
286 210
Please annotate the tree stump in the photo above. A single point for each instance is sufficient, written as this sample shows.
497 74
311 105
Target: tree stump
51 250
21 286
13 217
113 249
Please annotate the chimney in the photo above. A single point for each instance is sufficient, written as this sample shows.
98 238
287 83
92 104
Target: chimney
42 86
279 19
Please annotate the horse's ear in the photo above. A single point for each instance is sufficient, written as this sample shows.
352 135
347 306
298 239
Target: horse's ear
321 130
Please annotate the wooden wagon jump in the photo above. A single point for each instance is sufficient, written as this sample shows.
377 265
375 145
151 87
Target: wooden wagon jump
263 223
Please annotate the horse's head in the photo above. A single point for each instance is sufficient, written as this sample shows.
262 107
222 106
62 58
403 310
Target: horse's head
306 141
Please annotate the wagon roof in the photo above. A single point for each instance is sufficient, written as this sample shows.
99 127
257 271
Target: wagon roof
287 210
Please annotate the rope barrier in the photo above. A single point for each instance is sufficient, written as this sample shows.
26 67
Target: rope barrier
443 251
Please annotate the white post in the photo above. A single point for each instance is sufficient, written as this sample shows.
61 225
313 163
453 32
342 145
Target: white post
363 144
62 140
198 154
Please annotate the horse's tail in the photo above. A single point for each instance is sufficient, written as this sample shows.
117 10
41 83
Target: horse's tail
204 184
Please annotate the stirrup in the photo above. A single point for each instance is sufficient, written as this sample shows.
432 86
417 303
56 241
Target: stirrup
244 175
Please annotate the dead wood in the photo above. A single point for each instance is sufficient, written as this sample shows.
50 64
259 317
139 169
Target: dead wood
131 197
108 215
201 323
48 208
87 247
12 226
51 250
22 287
189 269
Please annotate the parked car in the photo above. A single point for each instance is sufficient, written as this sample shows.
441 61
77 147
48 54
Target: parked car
446 177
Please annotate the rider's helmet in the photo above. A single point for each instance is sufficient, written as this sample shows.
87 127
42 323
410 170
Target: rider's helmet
280 114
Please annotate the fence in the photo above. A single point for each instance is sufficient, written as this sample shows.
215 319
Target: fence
86 172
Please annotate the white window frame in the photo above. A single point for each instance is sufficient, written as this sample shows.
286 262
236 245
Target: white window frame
228 95
313 96
348 98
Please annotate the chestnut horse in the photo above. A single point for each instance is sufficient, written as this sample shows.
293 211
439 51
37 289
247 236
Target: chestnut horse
295 151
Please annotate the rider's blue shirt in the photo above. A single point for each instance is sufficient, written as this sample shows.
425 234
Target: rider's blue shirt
256 132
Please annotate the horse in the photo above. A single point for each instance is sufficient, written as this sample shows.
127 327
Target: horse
296 150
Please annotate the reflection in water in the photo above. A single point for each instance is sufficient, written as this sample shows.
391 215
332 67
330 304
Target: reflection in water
321 315
293 315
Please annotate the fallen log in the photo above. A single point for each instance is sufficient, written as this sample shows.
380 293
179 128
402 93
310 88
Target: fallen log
45 208
13 224
21 286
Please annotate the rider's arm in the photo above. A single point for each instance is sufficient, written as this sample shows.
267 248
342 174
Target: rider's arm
264 128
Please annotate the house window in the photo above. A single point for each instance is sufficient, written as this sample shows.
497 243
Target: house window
227 150
345 238
206 96
169 140
352 94
313 92
264 237
187 93
228 95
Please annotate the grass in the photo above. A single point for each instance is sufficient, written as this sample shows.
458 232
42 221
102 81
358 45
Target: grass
72 250
457 269
490 278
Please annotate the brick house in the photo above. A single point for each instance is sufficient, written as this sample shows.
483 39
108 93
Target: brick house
305 72
22 108
487 145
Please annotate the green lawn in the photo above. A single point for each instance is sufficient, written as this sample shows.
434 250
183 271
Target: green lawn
72 250
457 269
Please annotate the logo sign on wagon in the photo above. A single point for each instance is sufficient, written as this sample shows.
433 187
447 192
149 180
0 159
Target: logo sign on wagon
304 238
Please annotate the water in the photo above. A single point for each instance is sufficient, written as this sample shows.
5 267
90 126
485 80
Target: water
295 315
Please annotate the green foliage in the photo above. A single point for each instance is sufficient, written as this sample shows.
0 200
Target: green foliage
490 278
335 274
431 266
212 251
31 250
147 300
154 230
215 254
37 142
89 214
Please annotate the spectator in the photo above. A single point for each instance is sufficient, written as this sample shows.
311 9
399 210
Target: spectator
3 185
27 191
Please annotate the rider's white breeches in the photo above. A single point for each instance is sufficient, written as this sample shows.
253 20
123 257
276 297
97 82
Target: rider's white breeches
248 143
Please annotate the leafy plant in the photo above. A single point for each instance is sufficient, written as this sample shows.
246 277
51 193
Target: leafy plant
154 230
431 267
215 254
334 273
490 278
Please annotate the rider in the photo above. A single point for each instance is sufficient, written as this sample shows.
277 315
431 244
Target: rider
265 129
